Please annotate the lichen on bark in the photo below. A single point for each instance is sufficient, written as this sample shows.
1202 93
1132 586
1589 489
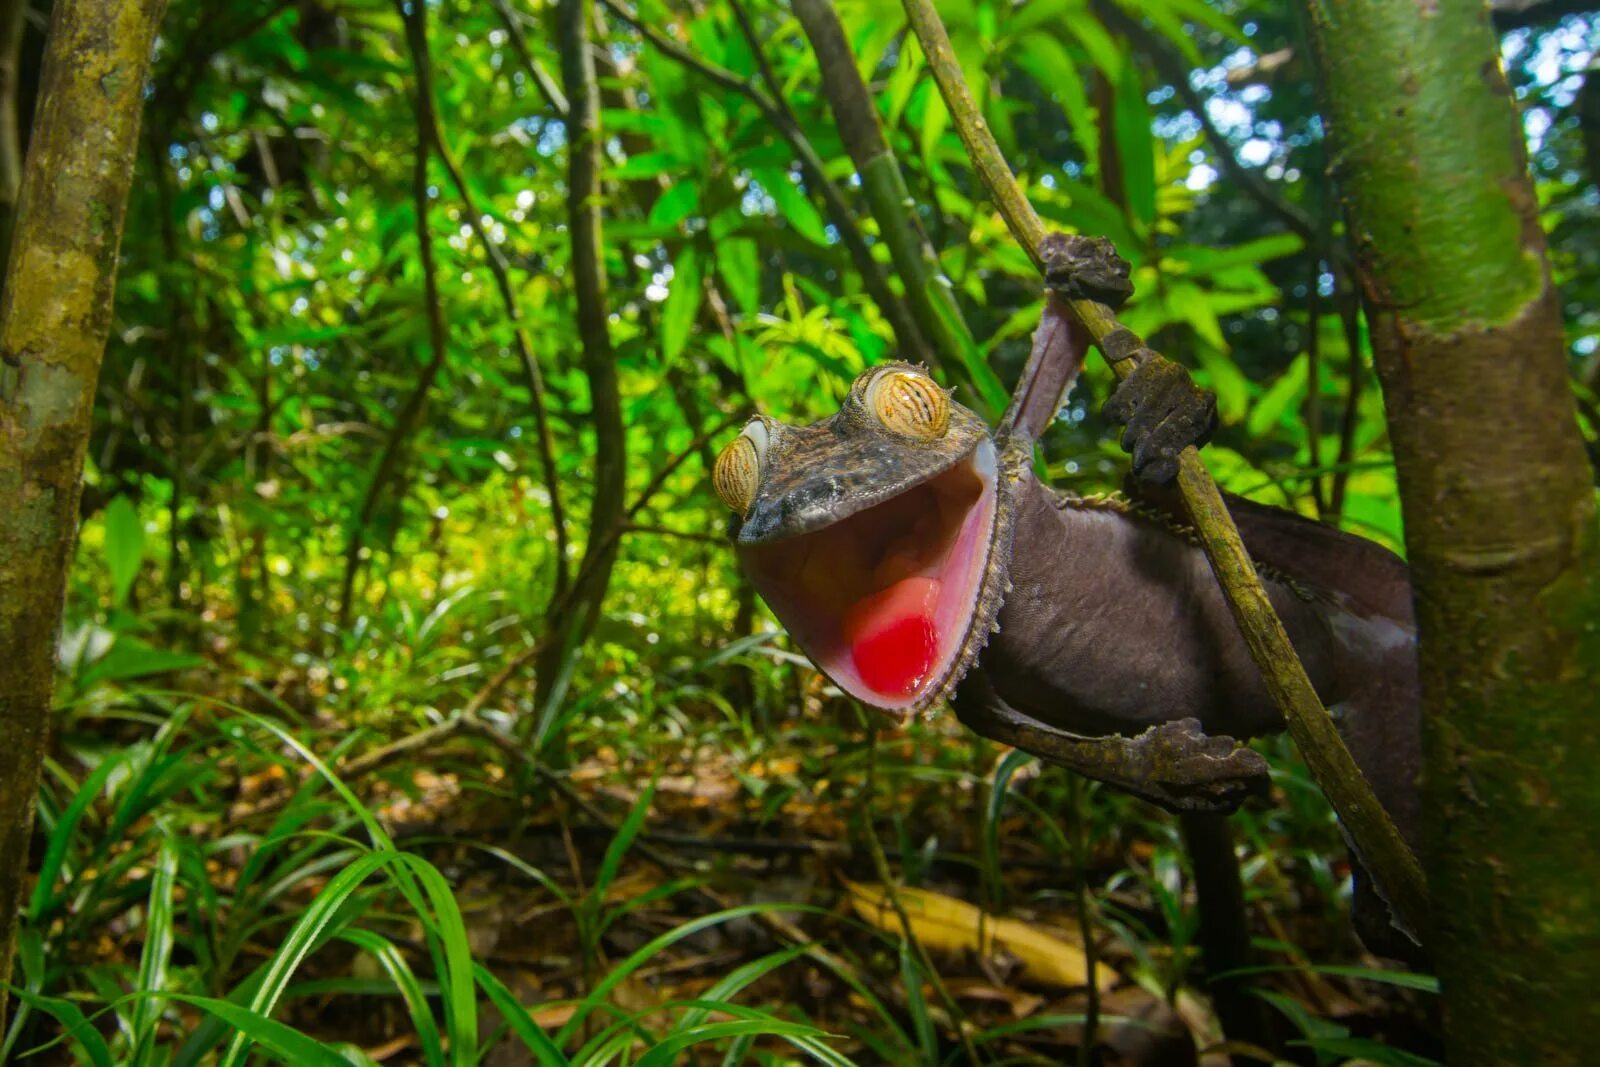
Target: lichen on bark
55 313
1499 513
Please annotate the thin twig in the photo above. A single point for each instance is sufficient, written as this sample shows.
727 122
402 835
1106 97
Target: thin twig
409 417
499 268
1314 386
553 96
1350 316
1378 842
681 535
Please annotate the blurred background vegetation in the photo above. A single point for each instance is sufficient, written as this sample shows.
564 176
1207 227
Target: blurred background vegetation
345 474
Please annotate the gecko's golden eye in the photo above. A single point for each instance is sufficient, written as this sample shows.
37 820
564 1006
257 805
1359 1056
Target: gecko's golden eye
909 403
737 474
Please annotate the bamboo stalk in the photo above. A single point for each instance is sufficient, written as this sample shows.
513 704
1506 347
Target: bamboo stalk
1377 841
929 292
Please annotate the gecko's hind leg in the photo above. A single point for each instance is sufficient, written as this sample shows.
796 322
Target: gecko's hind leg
1173 764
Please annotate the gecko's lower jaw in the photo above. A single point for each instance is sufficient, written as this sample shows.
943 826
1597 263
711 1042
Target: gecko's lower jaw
882 600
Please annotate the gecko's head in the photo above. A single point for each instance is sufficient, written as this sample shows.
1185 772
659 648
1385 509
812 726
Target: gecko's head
875 535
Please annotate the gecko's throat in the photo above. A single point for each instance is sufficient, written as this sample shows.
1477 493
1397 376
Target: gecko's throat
883 599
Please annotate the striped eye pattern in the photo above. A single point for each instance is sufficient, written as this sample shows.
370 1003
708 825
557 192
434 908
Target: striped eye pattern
737 474
909 403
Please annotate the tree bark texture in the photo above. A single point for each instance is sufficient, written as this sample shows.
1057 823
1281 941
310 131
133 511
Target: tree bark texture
54 317
1499 515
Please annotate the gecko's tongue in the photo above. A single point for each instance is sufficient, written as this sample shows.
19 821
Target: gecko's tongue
893 638
892 633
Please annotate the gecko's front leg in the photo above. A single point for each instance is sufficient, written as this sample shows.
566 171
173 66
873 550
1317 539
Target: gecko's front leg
1162 409
1172 764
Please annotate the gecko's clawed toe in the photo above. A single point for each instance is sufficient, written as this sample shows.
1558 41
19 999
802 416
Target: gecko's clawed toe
1164 412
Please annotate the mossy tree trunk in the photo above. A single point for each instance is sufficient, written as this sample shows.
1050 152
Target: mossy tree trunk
54 317
1499 515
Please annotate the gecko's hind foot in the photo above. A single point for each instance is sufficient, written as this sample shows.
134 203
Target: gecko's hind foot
1191 770
1175 764
1164 412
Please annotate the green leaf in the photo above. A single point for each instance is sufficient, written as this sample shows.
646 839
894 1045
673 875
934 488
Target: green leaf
325 916
1042 14
917 1004
86 1039
1047 60
735 981
622 840
1189 304
1200 260
399 971
645 165
739 263
289 1043
546 1052
794 206
1101 47
682 305
1224 378
999 789
157 951
61 834
680 201
648 951
130 657
1366 1050
1282 396
124 547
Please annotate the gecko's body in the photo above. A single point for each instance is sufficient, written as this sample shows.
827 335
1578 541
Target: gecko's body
915 557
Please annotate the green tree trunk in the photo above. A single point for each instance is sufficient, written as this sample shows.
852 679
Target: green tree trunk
54 317
1499 514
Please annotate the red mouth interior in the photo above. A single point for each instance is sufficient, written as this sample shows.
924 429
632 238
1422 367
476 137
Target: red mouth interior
881 600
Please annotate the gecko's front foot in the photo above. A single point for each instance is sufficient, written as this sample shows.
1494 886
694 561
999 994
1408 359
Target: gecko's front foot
1162 408
1164 412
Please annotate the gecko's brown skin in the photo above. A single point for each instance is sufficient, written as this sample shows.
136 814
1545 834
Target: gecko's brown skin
1098 637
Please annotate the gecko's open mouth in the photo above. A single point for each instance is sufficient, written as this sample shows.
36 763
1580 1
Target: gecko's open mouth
882 599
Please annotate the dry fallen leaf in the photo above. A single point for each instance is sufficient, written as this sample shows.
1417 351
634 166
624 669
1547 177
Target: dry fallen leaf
945 924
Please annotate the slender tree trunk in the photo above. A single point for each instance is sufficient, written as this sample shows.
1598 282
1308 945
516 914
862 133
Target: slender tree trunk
54 317
934 308
574 616
1499 515
410 417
